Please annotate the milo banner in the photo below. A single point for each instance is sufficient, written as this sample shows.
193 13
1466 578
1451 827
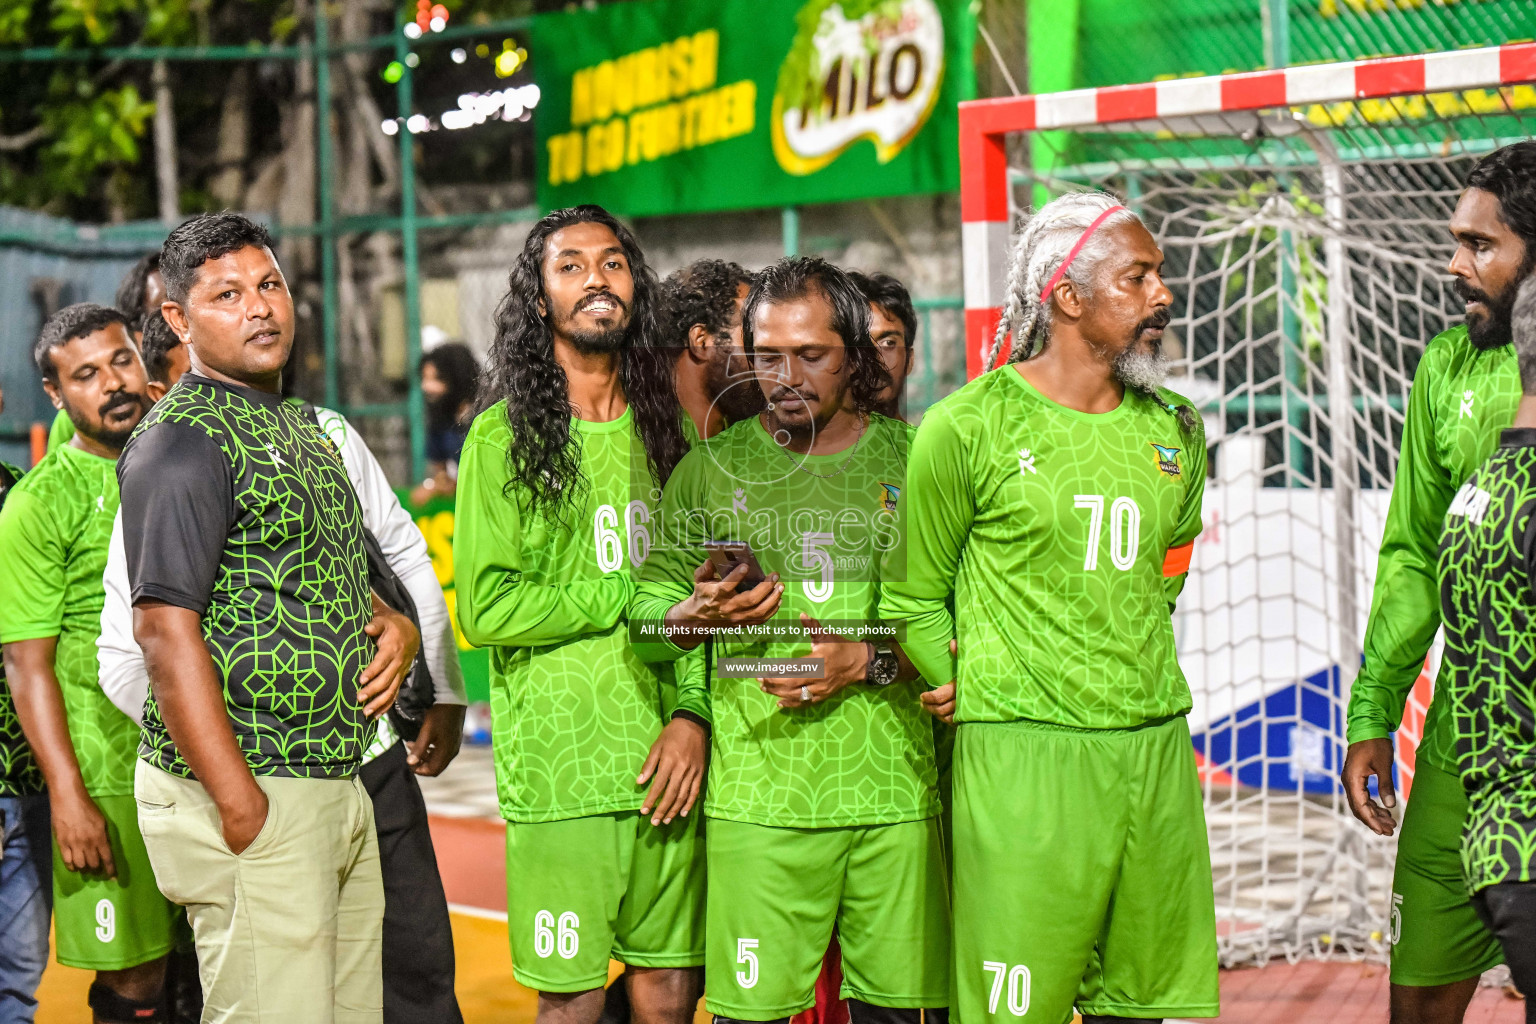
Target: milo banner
684 106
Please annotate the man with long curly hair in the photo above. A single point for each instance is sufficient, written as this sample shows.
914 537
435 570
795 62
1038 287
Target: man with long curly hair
822 804
599 756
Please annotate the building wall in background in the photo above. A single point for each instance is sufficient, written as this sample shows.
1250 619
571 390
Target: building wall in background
36 278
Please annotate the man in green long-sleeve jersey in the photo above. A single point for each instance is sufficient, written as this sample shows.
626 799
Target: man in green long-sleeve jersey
822 806
1049 515
1464 393
599 756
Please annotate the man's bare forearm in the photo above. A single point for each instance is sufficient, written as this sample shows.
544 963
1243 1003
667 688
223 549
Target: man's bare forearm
40 706
190 699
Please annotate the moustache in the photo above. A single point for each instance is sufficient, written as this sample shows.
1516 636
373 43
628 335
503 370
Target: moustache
119 400
1160 319
780 394
1467 293
609 297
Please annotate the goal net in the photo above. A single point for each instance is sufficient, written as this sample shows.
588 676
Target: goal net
1303 217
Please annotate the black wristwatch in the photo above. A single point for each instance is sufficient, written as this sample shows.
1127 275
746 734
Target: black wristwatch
883 666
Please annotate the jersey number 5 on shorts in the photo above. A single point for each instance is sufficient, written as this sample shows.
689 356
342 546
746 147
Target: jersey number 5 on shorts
549 937
748 959
1124 530
1014 981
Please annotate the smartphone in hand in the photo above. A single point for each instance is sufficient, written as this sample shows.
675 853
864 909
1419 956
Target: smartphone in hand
728 554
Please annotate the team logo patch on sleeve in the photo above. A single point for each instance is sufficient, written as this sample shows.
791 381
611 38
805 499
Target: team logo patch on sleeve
1167 458
889 493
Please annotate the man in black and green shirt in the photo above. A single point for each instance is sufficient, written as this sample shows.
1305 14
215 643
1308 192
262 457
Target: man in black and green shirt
268 655
1487 573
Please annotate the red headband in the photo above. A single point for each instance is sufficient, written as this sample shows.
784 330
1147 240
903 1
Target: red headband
1072 255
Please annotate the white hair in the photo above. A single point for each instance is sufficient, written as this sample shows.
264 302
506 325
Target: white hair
1522 328
1040 248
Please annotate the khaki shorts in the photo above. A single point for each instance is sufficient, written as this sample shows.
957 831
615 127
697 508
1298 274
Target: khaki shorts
291 928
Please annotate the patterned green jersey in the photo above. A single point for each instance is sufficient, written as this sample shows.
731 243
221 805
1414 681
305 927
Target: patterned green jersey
62 431
1063 538
574 711
54 531
1487 686
1460 400
690 429
823 522
19 773
237 506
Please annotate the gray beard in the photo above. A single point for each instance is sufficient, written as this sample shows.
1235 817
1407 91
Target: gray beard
1140 369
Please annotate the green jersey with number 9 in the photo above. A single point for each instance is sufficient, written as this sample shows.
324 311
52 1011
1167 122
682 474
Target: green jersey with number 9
1063 539
864 756
573 710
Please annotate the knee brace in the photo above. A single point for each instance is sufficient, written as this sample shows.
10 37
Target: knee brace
111 1008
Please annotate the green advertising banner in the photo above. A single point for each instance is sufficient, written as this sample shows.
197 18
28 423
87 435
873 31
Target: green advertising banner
686 106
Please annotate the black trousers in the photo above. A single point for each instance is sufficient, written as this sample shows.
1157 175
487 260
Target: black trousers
1509 911
418 940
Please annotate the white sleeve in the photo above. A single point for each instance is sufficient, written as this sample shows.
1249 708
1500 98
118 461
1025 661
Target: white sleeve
122 674
406 551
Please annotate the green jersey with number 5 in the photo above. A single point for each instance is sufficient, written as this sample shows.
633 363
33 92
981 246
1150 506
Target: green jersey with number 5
574 711
1062 539
864 756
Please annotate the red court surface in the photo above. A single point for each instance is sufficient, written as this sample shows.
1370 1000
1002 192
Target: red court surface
1343 993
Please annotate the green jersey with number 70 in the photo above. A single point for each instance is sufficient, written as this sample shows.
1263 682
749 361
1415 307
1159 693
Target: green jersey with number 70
1063 538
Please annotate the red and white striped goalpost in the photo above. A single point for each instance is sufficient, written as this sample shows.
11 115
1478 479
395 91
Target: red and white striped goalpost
984 125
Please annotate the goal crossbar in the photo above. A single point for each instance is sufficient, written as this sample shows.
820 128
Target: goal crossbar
985 125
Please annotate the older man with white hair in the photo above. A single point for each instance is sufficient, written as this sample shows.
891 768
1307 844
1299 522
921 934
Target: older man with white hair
1049 514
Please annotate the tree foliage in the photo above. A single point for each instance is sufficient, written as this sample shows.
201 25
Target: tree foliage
74 134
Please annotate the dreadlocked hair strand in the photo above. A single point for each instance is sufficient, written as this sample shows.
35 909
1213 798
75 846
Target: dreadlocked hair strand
1047 236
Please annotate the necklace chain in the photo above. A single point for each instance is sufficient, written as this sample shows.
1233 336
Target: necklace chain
836 472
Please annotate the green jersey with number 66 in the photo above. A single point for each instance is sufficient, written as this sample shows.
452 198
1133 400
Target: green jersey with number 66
1063 538
573 710
864 756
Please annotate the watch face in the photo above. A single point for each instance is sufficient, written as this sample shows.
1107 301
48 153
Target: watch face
883 669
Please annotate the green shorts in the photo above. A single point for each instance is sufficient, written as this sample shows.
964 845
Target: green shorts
1082 874
776 893
1436 936
584 890
110 924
